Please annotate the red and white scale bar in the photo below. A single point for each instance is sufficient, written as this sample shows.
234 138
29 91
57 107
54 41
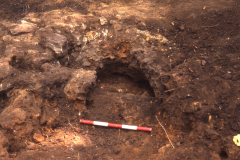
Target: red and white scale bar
114 125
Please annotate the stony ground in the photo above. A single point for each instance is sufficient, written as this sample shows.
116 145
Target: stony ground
121 62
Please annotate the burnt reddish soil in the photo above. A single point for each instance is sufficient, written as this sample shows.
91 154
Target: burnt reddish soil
178 60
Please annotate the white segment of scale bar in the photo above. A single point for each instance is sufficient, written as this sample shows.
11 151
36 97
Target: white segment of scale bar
97 123
129 127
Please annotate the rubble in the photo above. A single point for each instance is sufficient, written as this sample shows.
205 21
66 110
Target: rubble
54 41
24 27
79 85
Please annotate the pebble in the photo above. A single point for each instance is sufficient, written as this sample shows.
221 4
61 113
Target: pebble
178 144
117 151
118 27
127 143
32 146
124 140
236 66
182 27
204 62
44 148
113 22
86 63
3 140
211 131
103 20
38 137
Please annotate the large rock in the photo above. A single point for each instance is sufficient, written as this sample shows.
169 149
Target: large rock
29 102
54 41
24 27
12 116
22 113
78 87
58 43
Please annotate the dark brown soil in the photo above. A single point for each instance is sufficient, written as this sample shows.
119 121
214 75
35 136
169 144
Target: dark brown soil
191 83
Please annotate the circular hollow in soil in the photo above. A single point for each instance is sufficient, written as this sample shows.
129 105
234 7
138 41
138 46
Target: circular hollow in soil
119 97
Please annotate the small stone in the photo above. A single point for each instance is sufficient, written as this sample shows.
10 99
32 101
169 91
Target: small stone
127 143
118 27
38 137
25 27
181 141
103 20
178 144
215 156
117 151
181 27
90 36
124 140
77 38
7 38
46 67
132 141
113 22
80 106
86 63
44 148
3 153
32 146
84 26
36 20
3 140
211 131
204 62
236 66
5 70
212 134
104 5
163 149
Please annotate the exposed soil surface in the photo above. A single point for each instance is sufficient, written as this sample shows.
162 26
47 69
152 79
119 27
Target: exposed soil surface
122 62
